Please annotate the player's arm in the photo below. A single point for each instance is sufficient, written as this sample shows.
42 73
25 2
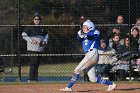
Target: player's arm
94 36
81 36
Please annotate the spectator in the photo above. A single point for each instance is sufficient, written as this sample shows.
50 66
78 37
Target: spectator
36 38
106 58
130 47
134 40
137 26
115 30
120 19
114 42
122 66
119 25
125 47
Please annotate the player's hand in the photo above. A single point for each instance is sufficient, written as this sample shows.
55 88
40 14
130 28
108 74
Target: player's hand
81 34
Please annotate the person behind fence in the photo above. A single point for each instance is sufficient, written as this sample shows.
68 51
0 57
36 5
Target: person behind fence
138 27
36 38
122 66
135 43
126 45
115 42
113 31
106 59
89 38
119 25
134 40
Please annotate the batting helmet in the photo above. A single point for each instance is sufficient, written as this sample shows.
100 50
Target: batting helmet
90 24
104 40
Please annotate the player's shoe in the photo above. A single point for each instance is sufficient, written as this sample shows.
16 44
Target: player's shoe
111 87
66 89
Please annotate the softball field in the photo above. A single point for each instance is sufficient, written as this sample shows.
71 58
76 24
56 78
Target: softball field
126 87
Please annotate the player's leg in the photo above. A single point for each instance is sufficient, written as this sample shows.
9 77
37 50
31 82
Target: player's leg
100 80
86 62
93 78
76 74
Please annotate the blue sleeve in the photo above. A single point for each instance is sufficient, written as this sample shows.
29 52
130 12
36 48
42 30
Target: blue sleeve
93 37
96 37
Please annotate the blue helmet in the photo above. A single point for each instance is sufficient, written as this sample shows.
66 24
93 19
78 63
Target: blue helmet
104 40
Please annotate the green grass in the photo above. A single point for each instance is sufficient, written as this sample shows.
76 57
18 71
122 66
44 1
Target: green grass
45 70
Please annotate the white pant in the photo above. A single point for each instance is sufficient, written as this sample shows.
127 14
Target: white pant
89 62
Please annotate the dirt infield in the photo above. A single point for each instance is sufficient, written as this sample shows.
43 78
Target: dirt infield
78 88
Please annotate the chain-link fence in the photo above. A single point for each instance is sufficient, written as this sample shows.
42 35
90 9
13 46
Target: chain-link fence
61 18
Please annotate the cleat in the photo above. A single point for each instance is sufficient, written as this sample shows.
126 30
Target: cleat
111 87
66 89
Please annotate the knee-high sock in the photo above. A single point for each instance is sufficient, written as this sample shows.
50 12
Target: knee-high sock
103 81
73 80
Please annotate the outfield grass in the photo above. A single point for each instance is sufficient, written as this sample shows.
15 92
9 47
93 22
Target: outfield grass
65 69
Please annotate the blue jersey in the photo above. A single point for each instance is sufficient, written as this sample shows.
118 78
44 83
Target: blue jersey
90 41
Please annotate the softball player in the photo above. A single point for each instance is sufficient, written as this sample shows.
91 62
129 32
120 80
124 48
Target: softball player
89 37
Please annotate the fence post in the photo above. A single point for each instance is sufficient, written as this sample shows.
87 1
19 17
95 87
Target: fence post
18 54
